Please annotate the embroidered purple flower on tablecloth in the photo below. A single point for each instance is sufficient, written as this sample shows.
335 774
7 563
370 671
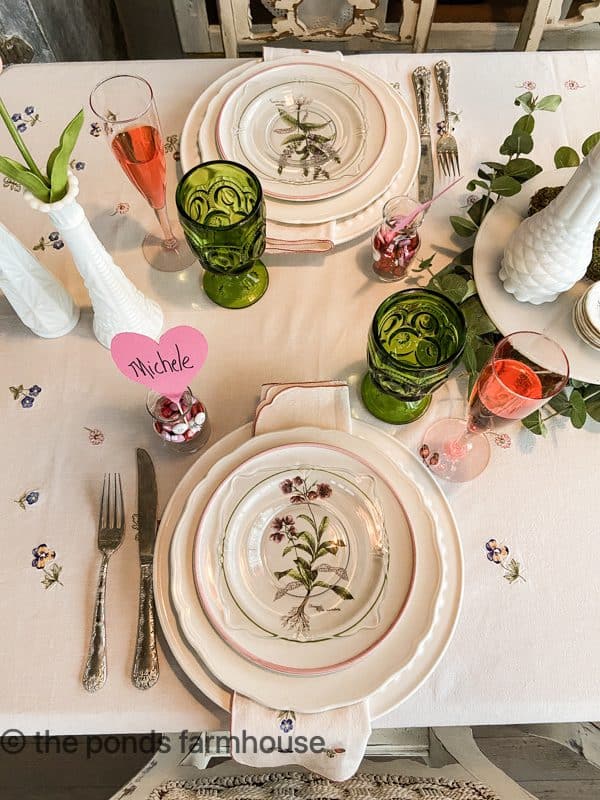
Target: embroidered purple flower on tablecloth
95 129
27 119
26 398
42 555
28 498
53 240
498 554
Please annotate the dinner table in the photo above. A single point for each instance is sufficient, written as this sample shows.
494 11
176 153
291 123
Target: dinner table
526 645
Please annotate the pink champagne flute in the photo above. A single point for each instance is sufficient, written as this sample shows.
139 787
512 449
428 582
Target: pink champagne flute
525 370
125 104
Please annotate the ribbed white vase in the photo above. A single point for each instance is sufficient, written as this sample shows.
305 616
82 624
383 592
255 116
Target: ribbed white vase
40 301
118 305
550 251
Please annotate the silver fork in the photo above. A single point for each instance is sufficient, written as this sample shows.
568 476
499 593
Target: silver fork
111 524
447 148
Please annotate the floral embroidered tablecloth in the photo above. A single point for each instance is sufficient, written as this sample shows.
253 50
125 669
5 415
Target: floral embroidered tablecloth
527 645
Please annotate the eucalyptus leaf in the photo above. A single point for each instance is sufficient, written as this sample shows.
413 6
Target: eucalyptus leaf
478 321
59 181
463 226
478 210
521 168
454 287
578 410
17 172
525 101
505 186
549 103
517 143
590 143
471 185
469 358
535 424
592 406
561 403
524 124
566 157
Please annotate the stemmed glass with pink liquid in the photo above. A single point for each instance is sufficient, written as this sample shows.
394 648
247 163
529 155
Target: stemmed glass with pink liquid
525 370
125 104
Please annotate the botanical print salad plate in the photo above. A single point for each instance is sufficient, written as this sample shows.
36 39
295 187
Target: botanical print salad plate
307 138
292 560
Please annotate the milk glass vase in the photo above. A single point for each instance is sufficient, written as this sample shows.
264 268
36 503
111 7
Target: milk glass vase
118 305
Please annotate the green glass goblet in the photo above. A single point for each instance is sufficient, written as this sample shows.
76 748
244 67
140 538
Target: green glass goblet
222 213
416 339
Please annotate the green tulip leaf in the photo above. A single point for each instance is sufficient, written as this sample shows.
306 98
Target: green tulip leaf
17 172
60 162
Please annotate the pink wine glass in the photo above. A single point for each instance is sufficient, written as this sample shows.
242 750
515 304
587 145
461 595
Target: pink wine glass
125 104
525 370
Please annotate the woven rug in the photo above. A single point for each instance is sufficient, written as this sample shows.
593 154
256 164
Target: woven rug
301 786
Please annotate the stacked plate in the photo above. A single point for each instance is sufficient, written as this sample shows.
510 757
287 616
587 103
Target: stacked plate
326 146
586 316
308 569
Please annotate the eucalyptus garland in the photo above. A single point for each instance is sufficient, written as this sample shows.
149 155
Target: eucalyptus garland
503 179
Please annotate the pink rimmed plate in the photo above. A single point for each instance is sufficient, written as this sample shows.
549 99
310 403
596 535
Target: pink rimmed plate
293 561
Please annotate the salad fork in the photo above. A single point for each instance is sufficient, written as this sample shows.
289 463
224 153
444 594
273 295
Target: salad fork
447 148
111 524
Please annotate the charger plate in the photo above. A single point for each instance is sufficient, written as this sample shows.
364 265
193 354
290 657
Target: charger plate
293 562
387 693
307 137
505 311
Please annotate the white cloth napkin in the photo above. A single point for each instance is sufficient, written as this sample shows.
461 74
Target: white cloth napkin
340 736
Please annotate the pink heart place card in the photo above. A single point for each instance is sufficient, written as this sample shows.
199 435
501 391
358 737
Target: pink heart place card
166 366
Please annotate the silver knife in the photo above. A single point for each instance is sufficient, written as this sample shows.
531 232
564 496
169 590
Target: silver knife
145 664
422 86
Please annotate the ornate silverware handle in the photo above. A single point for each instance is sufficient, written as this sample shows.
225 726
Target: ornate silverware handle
145 664
94 674
422 85
442 79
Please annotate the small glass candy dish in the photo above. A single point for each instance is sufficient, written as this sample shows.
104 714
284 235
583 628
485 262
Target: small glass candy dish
182 425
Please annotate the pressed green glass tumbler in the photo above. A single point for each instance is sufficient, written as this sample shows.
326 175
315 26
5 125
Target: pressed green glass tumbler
222 213
416 339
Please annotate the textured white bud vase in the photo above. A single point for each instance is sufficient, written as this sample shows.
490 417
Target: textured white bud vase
41 302
550 251
118 305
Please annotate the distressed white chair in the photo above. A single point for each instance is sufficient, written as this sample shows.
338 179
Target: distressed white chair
448 752
369 29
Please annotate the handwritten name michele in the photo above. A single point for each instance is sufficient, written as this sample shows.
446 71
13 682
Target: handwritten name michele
162 365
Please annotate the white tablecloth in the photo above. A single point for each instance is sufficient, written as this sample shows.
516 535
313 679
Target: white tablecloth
526 651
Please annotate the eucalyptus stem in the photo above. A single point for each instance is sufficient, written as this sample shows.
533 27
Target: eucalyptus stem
16 137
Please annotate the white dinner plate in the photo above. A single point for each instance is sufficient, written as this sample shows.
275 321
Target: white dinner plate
425 660
346 526
306 137
421 634
398 164
505 311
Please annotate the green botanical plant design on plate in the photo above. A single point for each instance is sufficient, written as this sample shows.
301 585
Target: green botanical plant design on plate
502 179
306 548
305 144
54 183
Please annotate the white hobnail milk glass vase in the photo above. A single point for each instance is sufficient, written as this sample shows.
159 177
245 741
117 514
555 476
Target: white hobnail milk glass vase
550 251
118 305
38 298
